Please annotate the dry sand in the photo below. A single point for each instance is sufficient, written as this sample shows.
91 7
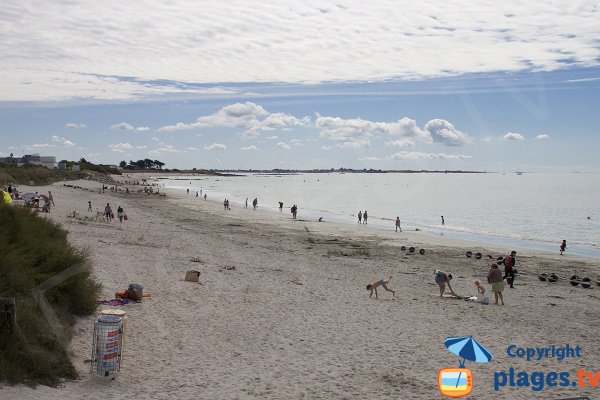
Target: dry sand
293 320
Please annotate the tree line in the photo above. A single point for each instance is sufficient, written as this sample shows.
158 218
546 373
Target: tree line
142 164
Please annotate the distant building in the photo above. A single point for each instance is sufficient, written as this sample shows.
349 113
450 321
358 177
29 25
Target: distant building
35 159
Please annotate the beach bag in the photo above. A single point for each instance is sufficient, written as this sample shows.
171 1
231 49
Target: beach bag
125 217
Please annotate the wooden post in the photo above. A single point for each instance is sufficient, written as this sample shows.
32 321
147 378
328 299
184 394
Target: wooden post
8 313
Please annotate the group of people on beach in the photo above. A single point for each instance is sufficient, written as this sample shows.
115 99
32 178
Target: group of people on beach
442 279
494 277
108 213
363 217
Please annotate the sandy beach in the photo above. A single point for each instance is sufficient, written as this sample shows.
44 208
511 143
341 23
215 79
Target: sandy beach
283 313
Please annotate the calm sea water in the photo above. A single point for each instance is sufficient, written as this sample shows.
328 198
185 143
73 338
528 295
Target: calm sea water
529 210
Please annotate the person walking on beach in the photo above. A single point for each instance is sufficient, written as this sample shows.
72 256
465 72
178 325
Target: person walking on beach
246 206
188 190
365 217
255 203
398 224
359 217
225 204
108 212
294 210
51 199
563 247
89 206
442 220
382 282
120 214
442 279
495 278
280 206
204 196
509 274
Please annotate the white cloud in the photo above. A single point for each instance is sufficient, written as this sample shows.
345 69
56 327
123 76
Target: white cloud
417 155
248 116
354 144
401 143
155 139
66 142
191 148
37 145
358 129
284 145
369 158
261 41
272 137
513 136
120 147
166 148
542 136
251 147
215 146
442 131
296 142
123 126
74 125
140 147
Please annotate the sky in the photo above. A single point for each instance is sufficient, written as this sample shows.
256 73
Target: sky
455 85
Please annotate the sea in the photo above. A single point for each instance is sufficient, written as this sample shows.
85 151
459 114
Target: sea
525 210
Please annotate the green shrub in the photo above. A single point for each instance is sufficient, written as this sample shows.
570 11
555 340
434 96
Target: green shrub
33 250
40 175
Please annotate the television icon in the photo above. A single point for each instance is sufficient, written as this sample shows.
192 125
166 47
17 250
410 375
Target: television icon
455 382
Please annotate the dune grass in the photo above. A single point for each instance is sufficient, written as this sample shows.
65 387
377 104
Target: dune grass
33 250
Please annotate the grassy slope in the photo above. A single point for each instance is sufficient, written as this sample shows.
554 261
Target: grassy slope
32 250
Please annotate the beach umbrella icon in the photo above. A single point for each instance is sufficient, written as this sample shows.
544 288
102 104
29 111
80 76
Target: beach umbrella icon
468 349
458 382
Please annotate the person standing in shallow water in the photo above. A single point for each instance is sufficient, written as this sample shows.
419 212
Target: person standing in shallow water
359 217
563 247
365 217
442 220
280 206
398 224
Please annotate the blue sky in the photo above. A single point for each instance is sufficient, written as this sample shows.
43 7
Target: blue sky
316 84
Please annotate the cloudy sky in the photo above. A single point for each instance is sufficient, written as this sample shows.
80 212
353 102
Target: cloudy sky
313 84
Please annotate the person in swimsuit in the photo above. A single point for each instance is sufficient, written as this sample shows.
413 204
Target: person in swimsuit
443 279
382 282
